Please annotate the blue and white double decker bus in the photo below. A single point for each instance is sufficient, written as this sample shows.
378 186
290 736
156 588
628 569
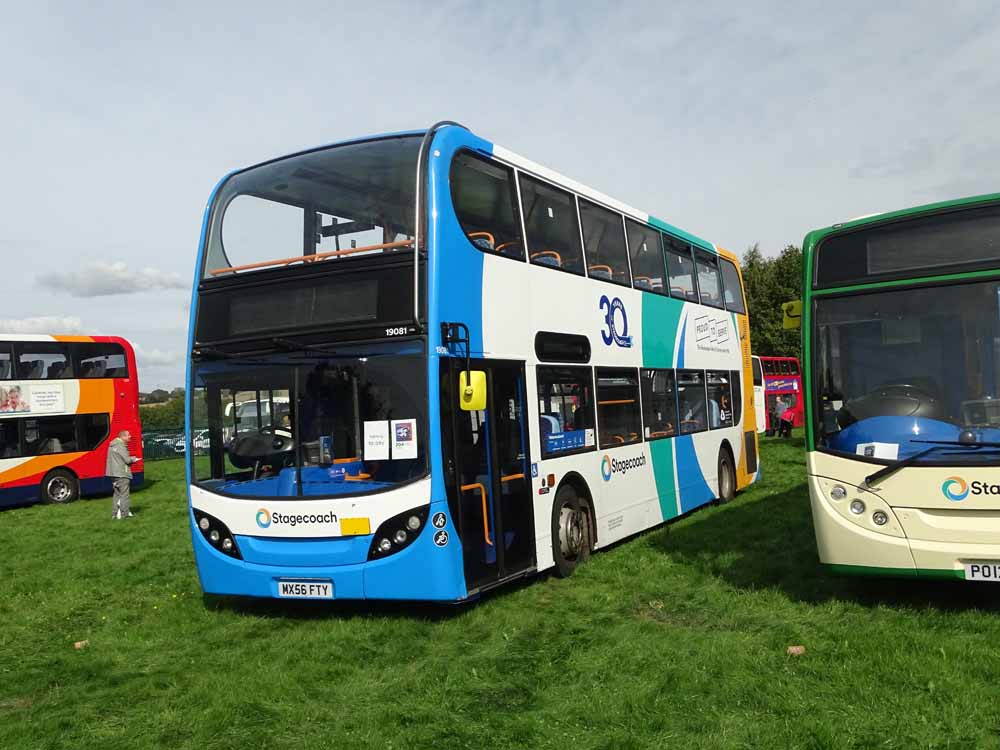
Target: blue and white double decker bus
462 368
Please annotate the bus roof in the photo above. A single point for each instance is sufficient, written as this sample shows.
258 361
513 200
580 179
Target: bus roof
64 338
530 166
813 237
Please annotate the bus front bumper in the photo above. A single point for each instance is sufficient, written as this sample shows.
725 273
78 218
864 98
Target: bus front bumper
853 544
421 571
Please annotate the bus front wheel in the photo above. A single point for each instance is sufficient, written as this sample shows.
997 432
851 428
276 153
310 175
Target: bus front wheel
727 477
570 530
60 486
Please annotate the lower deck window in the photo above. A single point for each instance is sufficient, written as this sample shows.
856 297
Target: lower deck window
691 401
618 416
720 399
659 403
565 409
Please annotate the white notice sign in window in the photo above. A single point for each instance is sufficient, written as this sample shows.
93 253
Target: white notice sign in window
404 438
377 441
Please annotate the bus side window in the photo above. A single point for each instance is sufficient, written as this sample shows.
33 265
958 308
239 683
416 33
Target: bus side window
9 442
709 283
551 223
793 366
482 193
659 404
691 401
618 419
681 269
737 389
6 363
43 360
565 409
758 376
604 244
101 361
733 289
720 399
93 430
648 271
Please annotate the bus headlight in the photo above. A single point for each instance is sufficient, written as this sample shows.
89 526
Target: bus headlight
217 534
857 507
880 518
839 492
398 533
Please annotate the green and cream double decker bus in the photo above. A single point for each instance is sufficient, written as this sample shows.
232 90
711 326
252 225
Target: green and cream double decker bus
901 333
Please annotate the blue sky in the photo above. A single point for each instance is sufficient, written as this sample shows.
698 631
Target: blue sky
742 123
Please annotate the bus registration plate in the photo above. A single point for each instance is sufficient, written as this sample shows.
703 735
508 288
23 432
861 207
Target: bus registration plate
304 589
982 571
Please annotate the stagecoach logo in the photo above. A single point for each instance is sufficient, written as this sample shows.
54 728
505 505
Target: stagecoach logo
611 466
266 518
616 321
263 518
956 488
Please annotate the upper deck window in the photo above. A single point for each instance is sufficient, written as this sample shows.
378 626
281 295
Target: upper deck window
960 240
648 271
6 363
550 221
733 289
485 202
709 282
101 361
42 360
335 202
681 269
604 240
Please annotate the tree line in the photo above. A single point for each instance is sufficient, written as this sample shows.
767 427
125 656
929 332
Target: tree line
769 282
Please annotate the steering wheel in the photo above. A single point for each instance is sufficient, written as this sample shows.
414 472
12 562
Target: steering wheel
265 446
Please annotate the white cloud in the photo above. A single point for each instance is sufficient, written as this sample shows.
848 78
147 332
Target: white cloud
156 357
41 324
102 279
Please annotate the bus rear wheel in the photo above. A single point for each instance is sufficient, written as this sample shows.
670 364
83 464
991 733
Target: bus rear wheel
727 477
60 486
570 530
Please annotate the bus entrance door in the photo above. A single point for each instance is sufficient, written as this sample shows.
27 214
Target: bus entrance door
493 478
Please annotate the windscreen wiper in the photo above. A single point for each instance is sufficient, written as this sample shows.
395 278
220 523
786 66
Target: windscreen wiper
935 445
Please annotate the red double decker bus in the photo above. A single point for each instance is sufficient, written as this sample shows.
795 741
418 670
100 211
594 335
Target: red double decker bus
782 392
62 400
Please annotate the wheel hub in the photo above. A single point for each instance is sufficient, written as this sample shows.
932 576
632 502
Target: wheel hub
59 489
571 531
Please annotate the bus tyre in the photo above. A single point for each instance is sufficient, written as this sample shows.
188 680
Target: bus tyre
60 486
727 477
570 531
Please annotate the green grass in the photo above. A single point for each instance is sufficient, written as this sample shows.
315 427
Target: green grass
676 638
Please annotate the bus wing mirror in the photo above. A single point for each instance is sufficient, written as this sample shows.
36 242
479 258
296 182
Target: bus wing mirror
792 315
472 390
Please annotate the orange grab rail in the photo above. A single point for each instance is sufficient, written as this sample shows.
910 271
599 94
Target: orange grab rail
615 402
500 248
311 258
486 235
511 477
486 523
548 254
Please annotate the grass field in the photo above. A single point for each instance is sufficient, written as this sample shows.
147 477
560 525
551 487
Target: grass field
676 638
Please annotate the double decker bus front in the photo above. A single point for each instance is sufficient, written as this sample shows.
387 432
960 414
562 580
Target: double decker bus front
903 344
308 424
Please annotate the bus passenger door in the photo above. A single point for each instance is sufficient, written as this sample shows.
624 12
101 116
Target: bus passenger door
493 478
759 407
